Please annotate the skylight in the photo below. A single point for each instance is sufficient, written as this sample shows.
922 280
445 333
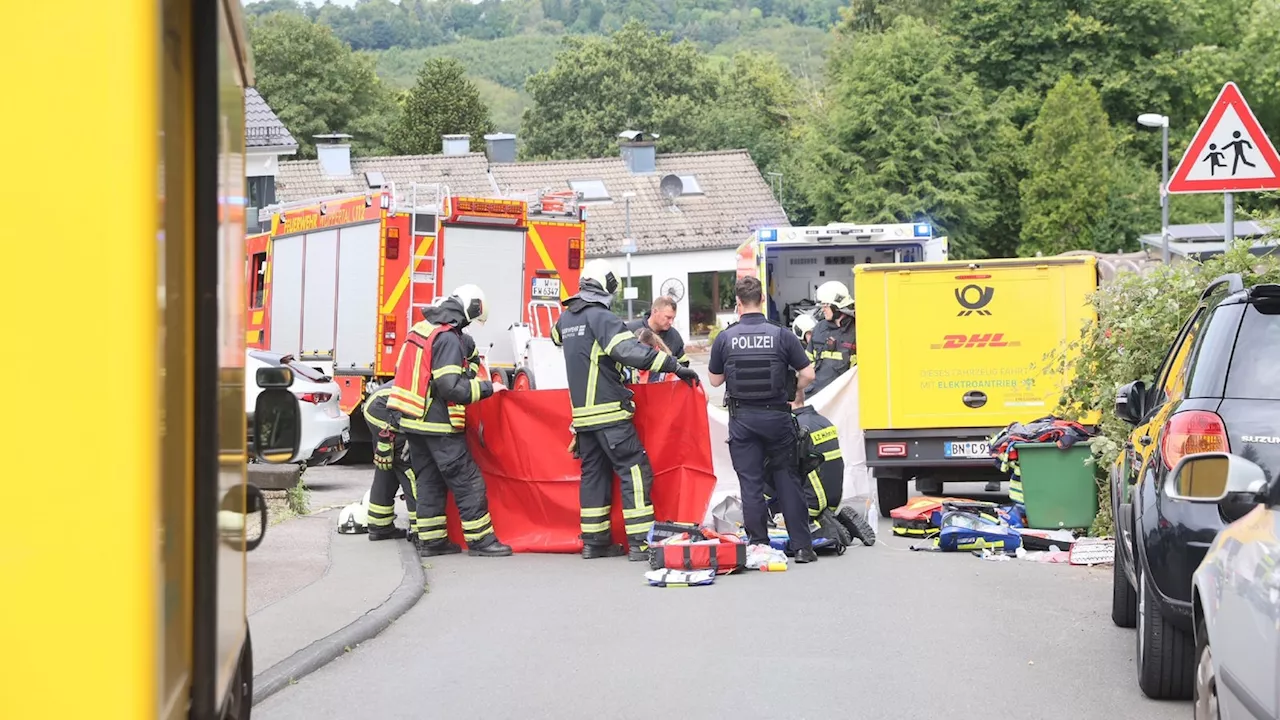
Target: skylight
590 189
691 186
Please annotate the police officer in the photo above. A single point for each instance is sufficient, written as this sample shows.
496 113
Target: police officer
430 376
754 357
834 343
391 468
596 344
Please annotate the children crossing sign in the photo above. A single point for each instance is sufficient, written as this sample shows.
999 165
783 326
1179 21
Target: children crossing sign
1230 152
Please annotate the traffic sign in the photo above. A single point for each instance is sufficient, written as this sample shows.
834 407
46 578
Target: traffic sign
1230 152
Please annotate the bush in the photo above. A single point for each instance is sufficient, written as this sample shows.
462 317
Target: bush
1139 317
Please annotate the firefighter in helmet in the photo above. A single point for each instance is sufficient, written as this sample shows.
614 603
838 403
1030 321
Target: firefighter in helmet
803 327
431 375
596 345
834 344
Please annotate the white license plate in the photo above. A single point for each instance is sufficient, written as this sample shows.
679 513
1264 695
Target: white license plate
968 449
546 288
346 436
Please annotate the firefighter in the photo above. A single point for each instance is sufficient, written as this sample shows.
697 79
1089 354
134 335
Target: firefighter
596 345
430 375
660 319
834 343
754 358
803 327
391 468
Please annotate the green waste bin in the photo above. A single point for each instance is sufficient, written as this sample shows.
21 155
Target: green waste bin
1058 486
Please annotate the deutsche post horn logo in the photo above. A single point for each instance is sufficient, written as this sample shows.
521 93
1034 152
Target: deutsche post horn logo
973 299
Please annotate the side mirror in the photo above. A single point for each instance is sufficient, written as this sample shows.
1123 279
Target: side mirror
1211 477
277 425
236 519
1131 402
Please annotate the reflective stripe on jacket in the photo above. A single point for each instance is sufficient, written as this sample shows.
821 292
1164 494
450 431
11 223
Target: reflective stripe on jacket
430 368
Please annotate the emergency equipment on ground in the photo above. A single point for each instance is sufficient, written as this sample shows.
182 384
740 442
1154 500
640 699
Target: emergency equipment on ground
353 519
680 578
702 549
952 352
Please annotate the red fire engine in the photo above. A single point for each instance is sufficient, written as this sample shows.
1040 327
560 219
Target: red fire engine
338 282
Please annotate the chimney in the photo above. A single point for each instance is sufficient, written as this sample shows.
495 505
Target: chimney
334 152
639 155
456 144
500 147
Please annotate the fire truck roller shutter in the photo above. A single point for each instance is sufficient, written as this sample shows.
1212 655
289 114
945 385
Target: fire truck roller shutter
356 341
319 291
493 259
286 294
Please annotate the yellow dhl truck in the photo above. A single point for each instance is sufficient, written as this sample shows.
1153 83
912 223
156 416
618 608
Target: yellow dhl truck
951 352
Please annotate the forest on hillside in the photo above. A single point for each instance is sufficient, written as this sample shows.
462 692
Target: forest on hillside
1010 123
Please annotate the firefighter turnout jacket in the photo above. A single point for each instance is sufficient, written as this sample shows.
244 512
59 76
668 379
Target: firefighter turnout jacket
834 346
824 486
597 346
431 375
670 337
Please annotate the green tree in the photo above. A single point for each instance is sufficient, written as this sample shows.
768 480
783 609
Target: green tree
902 134
598 87
316 84
443 101
753 108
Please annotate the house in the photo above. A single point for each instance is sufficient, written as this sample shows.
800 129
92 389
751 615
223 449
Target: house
685 213
266 139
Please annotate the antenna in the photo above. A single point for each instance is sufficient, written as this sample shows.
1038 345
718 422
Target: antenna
671 188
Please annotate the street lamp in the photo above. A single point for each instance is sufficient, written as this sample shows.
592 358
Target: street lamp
1153 120
629 246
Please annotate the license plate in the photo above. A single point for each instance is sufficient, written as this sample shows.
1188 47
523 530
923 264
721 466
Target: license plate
346 436
546 288
967 449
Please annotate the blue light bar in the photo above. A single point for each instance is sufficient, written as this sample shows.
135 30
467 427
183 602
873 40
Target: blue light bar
767 234
923 230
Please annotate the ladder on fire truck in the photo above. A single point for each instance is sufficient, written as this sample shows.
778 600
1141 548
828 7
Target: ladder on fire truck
426 204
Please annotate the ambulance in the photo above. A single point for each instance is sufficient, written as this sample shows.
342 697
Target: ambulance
792 262
337 282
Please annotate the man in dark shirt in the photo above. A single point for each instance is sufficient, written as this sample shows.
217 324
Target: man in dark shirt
660 319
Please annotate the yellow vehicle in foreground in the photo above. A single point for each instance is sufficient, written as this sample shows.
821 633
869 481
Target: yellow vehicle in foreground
950 352
126 297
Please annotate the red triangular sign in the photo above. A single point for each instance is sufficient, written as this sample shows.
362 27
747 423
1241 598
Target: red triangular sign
1230 152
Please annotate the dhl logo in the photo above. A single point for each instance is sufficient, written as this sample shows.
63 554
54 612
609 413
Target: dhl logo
955 342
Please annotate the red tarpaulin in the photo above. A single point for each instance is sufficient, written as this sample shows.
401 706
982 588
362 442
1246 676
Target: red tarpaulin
520 440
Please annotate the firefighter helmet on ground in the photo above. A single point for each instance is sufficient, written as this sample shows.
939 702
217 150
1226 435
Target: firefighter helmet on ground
474 306
835 294
601 272
803 323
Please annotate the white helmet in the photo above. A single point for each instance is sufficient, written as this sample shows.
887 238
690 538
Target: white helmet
803 323
354 518
474 306
836 294
602 273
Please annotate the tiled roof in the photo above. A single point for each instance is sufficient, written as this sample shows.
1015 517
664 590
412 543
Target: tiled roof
463 174
262 127
736 200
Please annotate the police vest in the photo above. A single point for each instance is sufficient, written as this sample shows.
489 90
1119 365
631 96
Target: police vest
755 371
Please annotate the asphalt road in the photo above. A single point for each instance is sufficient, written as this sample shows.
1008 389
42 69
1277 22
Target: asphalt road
878 633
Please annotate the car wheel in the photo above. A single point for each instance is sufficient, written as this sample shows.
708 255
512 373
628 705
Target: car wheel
891 492
1206 691
1124 600
1166 655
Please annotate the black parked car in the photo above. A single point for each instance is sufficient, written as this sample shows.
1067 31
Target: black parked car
1218 390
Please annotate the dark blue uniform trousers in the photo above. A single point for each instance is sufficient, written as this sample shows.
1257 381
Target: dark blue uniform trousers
756 434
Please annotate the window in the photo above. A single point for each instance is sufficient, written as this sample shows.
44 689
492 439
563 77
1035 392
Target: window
1254 372
1207 371
262 192
691 186
590 189
644 298
258 276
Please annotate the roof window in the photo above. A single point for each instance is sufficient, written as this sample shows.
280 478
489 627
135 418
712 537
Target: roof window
591 189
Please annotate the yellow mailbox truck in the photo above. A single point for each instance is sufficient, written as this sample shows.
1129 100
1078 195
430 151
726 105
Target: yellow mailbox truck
950 352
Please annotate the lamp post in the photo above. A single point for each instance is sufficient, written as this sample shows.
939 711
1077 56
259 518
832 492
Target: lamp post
629 246
1154 120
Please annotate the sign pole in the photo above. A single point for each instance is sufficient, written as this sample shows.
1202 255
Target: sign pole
1229 219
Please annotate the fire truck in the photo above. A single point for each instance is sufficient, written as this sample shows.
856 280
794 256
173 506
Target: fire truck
337 282
791 262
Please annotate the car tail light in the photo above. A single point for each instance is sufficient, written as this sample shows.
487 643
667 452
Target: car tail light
897 449
575 253
388 331
1194 431
315 398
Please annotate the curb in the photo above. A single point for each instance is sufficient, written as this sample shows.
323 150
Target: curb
335 645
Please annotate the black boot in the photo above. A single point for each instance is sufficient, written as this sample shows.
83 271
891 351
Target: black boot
432 548
638 552
806 555
390 532
592 552
492 548
857 525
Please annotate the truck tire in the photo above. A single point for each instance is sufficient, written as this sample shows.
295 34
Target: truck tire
892 494
1166 656
523 380
1124 600
501 376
